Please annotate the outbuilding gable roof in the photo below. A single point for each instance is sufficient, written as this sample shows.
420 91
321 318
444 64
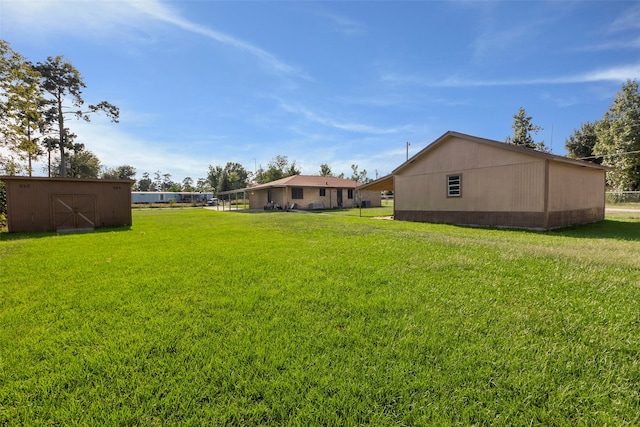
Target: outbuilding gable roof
502 145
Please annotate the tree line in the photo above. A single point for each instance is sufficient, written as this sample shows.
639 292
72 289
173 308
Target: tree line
234 176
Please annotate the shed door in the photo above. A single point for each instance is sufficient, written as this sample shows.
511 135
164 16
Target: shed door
73 211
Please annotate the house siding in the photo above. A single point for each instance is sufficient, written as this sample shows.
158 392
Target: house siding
312 199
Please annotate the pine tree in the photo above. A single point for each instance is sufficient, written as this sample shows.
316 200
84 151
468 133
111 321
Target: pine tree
522 129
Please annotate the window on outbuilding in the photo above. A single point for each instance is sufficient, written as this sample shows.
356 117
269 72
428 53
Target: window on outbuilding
350 194
454 185
323 192
296 193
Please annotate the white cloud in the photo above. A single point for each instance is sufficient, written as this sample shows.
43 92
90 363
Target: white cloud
89 18
110 17
629 20
329 122
344 25
613 74
633 43
161 12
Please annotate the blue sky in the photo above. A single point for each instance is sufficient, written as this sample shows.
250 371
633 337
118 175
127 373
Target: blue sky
204 83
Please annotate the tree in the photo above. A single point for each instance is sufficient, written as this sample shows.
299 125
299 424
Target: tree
120 172
214 176
126 172
62 81
618 138
581 143
202 185
20 106
522 129
82 164
187 184
277 168
237 176
232 177
359 176
157 181
167 183
145 183
9 165
325 170
174 187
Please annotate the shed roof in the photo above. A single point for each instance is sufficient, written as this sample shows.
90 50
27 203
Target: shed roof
59 179
381 184
502 145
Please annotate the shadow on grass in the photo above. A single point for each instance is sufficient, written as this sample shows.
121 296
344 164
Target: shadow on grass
42 234
607 229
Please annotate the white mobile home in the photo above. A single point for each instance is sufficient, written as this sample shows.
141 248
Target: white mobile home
167 196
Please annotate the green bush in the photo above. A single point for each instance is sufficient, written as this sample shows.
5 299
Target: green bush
623 197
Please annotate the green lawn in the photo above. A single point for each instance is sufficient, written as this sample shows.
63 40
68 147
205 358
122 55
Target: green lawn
199 317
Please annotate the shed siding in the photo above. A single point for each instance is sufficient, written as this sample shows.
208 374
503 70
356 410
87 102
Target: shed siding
500 186
573 187
38 204
532 220
510 187
461 154
576 195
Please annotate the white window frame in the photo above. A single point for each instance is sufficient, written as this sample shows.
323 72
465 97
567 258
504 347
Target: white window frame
454 185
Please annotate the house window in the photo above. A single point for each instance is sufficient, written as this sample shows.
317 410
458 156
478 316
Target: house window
323 192
349 194
296 193
454 185
161 197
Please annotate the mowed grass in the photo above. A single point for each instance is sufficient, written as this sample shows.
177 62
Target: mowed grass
198 317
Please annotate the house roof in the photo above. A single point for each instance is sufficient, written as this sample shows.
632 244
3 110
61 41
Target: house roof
308 181
502 145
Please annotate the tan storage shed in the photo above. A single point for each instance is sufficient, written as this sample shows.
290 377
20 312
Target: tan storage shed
60 204
463 179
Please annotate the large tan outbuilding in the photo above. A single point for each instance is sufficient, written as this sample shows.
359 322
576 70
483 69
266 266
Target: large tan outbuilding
462 179
49 204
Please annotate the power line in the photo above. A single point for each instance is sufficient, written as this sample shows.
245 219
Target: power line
607 155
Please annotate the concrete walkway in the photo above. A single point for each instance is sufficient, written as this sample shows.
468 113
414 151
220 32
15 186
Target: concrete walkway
621 210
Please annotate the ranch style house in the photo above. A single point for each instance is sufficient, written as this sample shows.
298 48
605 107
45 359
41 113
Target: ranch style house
309 192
